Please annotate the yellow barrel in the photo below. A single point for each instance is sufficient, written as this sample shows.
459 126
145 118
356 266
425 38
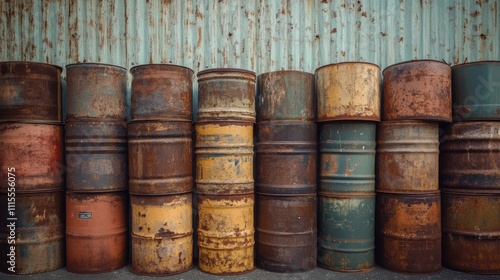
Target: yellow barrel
348 91
224 158
162 234
226 233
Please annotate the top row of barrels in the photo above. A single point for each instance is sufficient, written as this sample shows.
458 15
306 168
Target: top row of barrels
413 90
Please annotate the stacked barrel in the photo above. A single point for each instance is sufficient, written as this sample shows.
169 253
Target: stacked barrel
469 173
160 169
31 168
96 158
285 185
417 95
224 170
348 111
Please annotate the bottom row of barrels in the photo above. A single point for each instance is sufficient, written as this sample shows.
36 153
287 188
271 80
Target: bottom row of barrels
408 233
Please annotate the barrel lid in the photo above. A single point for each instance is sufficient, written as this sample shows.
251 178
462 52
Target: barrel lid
475 63
90 64
159 65
347 62
285 71
31 62
225 70
415 61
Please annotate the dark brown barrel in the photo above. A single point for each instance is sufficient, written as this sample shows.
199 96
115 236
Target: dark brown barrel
286 232
160 158
286 95
471 231
417 90
407 159
161 92
38 232
226 94
36 153
96 231
470 156
286 158
30 92
96 156
408 232
96 91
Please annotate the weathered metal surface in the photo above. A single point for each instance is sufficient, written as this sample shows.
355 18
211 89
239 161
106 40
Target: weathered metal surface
286 95
286 232
96 91
160 157
286 158
471 231
39 232
476 91
347 156
30 92
346 231
226 233
162 234
96 156
417 90
408 232
161 92
348 91
36 153
470 156
407 159
224 158
226 94
96 231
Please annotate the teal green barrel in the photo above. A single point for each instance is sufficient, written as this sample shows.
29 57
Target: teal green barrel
346 206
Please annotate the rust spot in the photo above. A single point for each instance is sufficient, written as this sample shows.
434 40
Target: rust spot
383 34
401 39
483 36
343 53
475 14
334 30
363 14
324 1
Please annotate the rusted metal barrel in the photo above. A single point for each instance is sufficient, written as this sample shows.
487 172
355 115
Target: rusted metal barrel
417 90
226 233
286 96
160 158
348 91
224 158
96 231
38 232
226 94
36 152
96 91
408 232
476 90
286 158
470 156
161 92
471 230
96 156
286 232
162 234
30 92
408 157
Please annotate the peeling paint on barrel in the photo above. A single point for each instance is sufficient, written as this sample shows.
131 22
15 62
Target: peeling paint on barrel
226 233
160 157
162 234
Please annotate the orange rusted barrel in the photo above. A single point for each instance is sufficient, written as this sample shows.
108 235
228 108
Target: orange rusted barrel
417 90
348 91
96 91
161 92
407 159
226 94
226 233
96 156
224 158
408 232
30 92
160 157
36 153
96 231
32 232
162 234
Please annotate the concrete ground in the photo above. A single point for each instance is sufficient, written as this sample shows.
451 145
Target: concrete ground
258 274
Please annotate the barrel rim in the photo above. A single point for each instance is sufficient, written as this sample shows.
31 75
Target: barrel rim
347 62
409 121
90 64
225 70
286 71
474 63
222 121
135 67
60 68
414 61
